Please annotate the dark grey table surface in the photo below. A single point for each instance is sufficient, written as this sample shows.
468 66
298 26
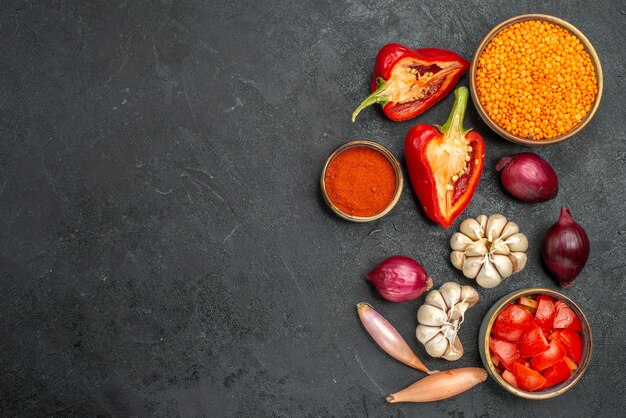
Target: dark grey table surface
164 249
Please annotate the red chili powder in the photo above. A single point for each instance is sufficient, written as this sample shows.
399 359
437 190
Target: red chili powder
360 181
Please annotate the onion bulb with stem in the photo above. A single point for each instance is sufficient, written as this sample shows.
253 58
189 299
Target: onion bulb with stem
528 177
565 249
400 279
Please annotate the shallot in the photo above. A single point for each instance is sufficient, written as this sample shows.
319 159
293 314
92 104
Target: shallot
399 279
565 249
528 177
442 385
388 338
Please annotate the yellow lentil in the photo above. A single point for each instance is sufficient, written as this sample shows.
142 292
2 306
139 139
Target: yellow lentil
535 80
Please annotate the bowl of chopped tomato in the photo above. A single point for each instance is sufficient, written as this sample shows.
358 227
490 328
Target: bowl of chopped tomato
536 343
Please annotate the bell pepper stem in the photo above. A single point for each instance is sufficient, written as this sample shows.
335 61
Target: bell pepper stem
454 124
377 97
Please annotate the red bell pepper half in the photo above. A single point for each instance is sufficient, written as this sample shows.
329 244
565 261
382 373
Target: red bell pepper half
445 163
408 81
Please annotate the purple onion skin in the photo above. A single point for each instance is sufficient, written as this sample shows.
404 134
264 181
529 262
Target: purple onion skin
400 279
565 249
528 177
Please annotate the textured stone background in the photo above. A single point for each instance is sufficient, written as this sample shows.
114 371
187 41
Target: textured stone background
164 249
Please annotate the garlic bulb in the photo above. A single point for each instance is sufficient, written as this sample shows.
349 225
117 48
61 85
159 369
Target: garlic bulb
440 318
488 249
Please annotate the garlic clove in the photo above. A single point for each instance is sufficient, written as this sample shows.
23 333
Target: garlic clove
503 264
476 248
459 241
453 328
431 316
499 247
520 260
451 293
435 299
471 228
437 345
469 295
471 266
424 333
455 325
488 276
495 225
509 229
482 221
457 258
517 242
454 350
450 330
458 310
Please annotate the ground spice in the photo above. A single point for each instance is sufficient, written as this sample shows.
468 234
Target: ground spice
360 181
535 80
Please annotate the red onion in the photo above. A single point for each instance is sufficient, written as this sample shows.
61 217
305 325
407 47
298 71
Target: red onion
565 249
528 177
399 279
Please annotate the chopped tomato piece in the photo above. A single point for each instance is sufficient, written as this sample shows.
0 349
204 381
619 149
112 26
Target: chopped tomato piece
510 379
544 316
554 335
500 367
546 297
572 343
511 323
504 351
570 363
526 378
556 374
524 301
550 357
564 317
533 342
